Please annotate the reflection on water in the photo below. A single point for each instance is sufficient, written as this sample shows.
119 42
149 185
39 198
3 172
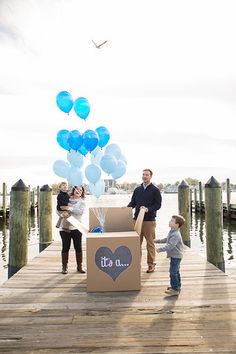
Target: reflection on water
198 240
169 208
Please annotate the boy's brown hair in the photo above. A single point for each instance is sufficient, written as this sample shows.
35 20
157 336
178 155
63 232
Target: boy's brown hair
179 219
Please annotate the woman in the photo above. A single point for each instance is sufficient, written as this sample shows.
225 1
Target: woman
76 209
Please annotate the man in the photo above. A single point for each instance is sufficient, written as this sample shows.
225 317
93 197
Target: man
149 197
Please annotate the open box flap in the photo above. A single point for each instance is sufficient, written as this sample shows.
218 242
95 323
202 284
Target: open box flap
79 226
117 219
139 221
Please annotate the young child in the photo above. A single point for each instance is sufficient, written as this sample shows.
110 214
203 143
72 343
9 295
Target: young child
174 248
63 201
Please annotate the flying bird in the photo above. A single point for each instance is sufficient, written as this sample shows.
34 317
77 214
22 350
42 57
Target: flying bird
98 46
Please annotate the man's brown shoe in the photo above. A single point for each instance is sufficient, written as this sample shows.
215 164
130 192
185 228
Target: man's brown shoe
151 268
172 292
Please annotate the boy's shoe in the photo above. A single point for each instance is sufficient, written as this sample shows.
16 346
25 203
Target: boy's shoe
171 292
169 287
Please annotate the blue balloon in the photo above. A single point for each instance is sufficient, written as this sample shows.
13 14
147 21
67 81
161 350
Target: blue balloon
82 107
75 158
93 173
113 149
75 139
95 151
120 170
75 176
62 139
98 188
61 168
96 159
97 229
108 163
103 135
123 158
64 101
83 150
90 139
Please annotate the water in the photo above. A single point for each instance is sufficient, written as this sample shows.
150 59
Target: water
169 207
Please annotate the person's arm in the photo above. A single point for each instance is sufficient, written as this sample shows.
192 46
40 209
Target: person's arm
132 203
162 240
172 242
157 202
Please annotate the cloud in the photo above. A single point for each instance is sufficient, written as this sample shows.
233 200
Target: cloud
14 162
214 89
7 33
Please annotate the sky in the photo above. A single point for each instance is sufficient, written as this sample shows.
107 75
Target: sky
164 84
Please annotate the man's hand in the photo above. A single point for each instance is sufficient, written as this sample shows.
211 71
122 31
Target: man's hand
146 209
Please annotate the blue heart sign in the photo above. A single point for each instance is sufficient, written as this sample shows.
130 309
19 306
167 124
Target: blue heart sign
115 263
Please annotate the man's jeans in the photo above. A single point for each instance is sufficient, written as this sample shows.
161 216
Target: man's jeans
175 280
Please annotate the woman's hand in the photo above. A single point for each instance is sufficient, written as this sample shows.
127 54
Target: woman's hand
65 214
65 207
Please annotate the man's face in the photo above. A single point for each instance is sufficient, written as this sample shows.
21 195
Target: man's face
146 177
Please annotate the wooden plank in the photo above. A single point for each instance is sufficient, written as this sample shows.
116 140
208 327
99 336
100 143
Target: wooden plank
43 311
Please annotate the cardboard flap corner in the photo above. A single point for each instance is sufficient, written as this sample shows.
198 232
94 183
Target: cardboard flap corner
139 221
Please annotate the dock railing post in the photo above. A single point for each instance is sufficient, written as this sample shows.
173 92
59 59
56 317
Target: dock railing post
184 210
214 223
45 217
38 196
191 200
228 193
200 197
195 200
19 214
4 199
32 198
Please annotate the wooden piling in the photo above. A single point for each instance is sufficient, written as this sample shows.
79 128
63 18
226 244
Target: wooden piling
228 193
200 196
45 217
4 199
38 196
19 214
191 200
32 198
195 199
184 210
214 223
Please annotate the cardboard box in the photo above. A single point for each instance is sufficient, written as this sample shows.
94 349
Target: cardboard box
113 257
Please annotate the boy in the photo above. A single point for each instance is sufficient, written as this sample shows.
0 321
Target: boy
63 201
174 248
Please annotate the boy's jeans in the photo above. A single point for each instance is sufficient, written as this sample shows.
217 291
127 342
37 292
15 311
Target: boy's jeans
175 280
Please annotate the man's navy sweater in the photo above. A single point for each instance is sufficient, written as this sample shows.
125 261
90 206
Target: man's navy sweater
149 197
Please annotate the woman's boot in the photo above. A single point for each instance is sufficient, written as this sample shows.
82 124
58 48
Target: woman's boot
64 259
79 257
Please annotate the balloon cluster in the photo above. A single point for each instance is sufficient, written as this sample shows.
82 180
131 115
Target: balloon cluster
110 161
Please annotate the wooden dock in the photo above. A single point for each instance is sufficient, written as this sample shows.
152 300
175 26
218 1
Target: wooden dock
200 208
43 311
